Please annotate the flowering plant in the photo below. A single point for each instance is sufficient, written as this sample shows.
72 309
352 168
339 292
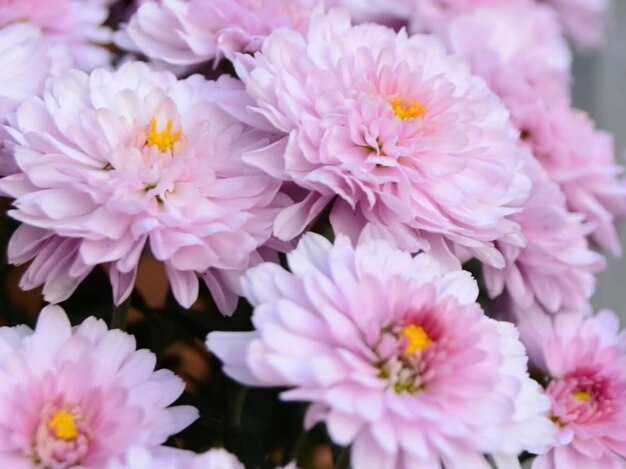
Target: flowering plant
271 233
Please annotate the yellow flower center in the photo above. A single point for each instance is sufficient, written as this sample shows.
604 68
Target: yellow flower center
64 426
583 396
410 112
164 140
418 340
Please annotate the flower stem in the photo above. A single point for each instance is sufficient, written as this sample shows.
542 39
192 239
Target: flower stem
119 316
343 461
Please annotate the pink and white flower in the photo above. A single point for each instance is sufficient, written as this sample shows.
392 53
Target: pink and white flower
555 267
78 396
143 458
581 159
114 161
76 24
530 76
584 20
387 12
26 60
390 126
183 32
584 363
522 41
395 355
431 15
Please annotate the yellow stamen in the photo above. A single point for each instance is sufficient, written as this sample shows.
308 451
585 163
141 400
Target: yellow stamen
163 140
63 425
582 395
418 340
413 111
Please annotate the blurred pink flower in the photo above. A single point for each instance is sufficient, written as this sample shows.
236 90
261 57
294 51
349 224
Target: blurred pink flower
388 12
183 32
76 397
76 24
116 160
144 458
584 20
430 15
530 76
390 126
521 40
584 361
26 60
395 355
581 160
555 267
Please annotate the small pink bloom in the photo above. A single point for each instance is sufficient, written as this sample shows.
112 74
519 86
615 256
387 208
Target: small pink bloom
389 126
581 159
519 40
430 15
584 20
529 73
190 32
78 396
394 354
26 60
113 162
168 458
555 266
76 24
584 361
387 12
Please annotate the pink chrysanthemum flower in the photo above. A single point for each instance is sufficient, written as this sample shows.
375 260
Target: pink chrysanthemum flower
584 20
529 76
113 161
388 12
581 160
76 24
584 361
523 42
144 458
183 32
76 397
431 15
396 356
26 60
389 125
555 267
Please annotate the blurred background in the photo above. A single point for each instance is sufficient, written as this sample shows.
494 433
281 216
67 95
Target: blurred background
600 89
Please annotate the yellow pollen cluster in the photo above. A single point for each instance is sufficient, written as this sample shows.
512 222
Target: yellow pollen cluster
418 340
582 395
410 112
63 425
163 140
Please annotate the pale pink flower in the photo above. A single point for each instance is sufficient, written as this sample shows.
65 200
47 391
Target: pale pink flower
530 76
76 24
390 126
26 60
395 355
581 160
431 15
114 161
517 40
76 397
584 363
584 20
388 12
555 267
183 32
144 458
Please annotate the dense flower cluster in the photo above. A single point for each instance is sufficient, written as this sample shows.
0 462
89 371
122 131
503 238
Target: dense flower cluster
329 172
